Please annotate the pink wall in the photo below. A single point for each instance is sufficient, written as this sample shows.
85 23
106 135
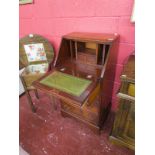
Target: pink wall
54 18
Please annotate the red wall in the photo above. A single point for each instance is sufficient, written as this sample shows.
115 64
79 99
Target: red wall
54 18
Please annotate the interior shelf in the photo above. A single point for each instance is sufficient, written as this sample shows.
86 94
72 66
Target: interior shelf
89 52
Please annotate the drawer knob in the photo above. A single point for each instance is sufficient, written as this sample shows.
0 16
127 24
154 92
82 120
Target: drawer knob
89 76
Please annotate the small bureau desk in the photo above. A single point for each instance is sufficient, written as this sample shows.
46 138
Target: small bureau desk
78 77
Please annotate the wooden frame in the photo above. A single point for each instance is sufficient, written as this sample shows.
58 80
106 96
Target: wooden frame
123 132
25 1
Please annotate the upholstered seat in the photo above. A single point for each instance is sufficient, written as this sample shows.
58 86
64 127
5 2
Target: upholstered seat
37 55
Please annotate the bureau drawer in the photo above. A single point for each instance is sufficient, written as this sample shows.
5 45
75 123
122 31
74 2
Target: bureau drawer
87 58
89 113
91 59
81 57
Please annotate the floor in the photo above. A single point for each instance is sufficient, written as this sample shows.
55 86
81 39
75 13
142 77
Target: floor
48 133
22 151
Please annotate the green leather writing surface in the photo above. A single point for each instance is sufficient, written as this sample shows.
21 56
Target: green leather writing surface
66 83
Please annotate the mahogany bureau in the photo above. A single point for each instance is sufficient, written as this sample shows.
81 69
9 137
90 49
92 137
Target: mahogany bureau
79 77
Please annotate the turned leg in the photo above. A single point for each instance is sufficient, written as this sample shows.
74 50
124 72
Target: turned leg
36 93
28 95
53 102
30 101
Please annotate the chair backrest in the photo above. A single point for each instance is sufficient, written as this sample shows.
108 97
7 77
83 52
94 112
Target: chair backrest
35 49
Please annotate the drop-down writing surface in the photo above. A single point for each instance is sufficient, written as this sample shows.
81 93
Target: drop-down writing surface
57 89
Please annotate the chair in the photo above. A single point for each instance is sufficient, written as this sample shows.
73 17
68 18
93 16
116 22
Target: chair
37 55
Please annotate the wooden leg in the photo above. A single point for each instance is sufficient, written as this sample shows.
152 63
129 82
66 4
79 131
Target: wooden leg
28 95
36 93
30 101
53 102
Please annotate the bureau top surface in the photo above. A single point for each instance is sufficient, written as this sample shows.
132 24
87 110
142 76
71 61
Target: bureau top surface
98 37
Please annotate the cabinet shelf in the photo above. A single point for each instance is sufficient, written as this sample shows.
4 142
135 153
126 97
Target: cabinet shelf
88 51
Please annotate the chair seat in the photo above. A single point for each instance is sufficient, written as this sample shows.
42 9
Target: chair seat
34 72
36 54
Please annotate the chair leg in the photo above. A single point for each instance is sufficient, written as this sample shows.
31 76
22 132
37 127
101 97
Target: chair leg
53 102
36 93
28 95
30 101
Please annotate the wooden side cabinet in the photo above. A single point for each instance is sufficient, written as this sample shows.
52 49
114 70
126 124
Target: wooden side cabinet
123 131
